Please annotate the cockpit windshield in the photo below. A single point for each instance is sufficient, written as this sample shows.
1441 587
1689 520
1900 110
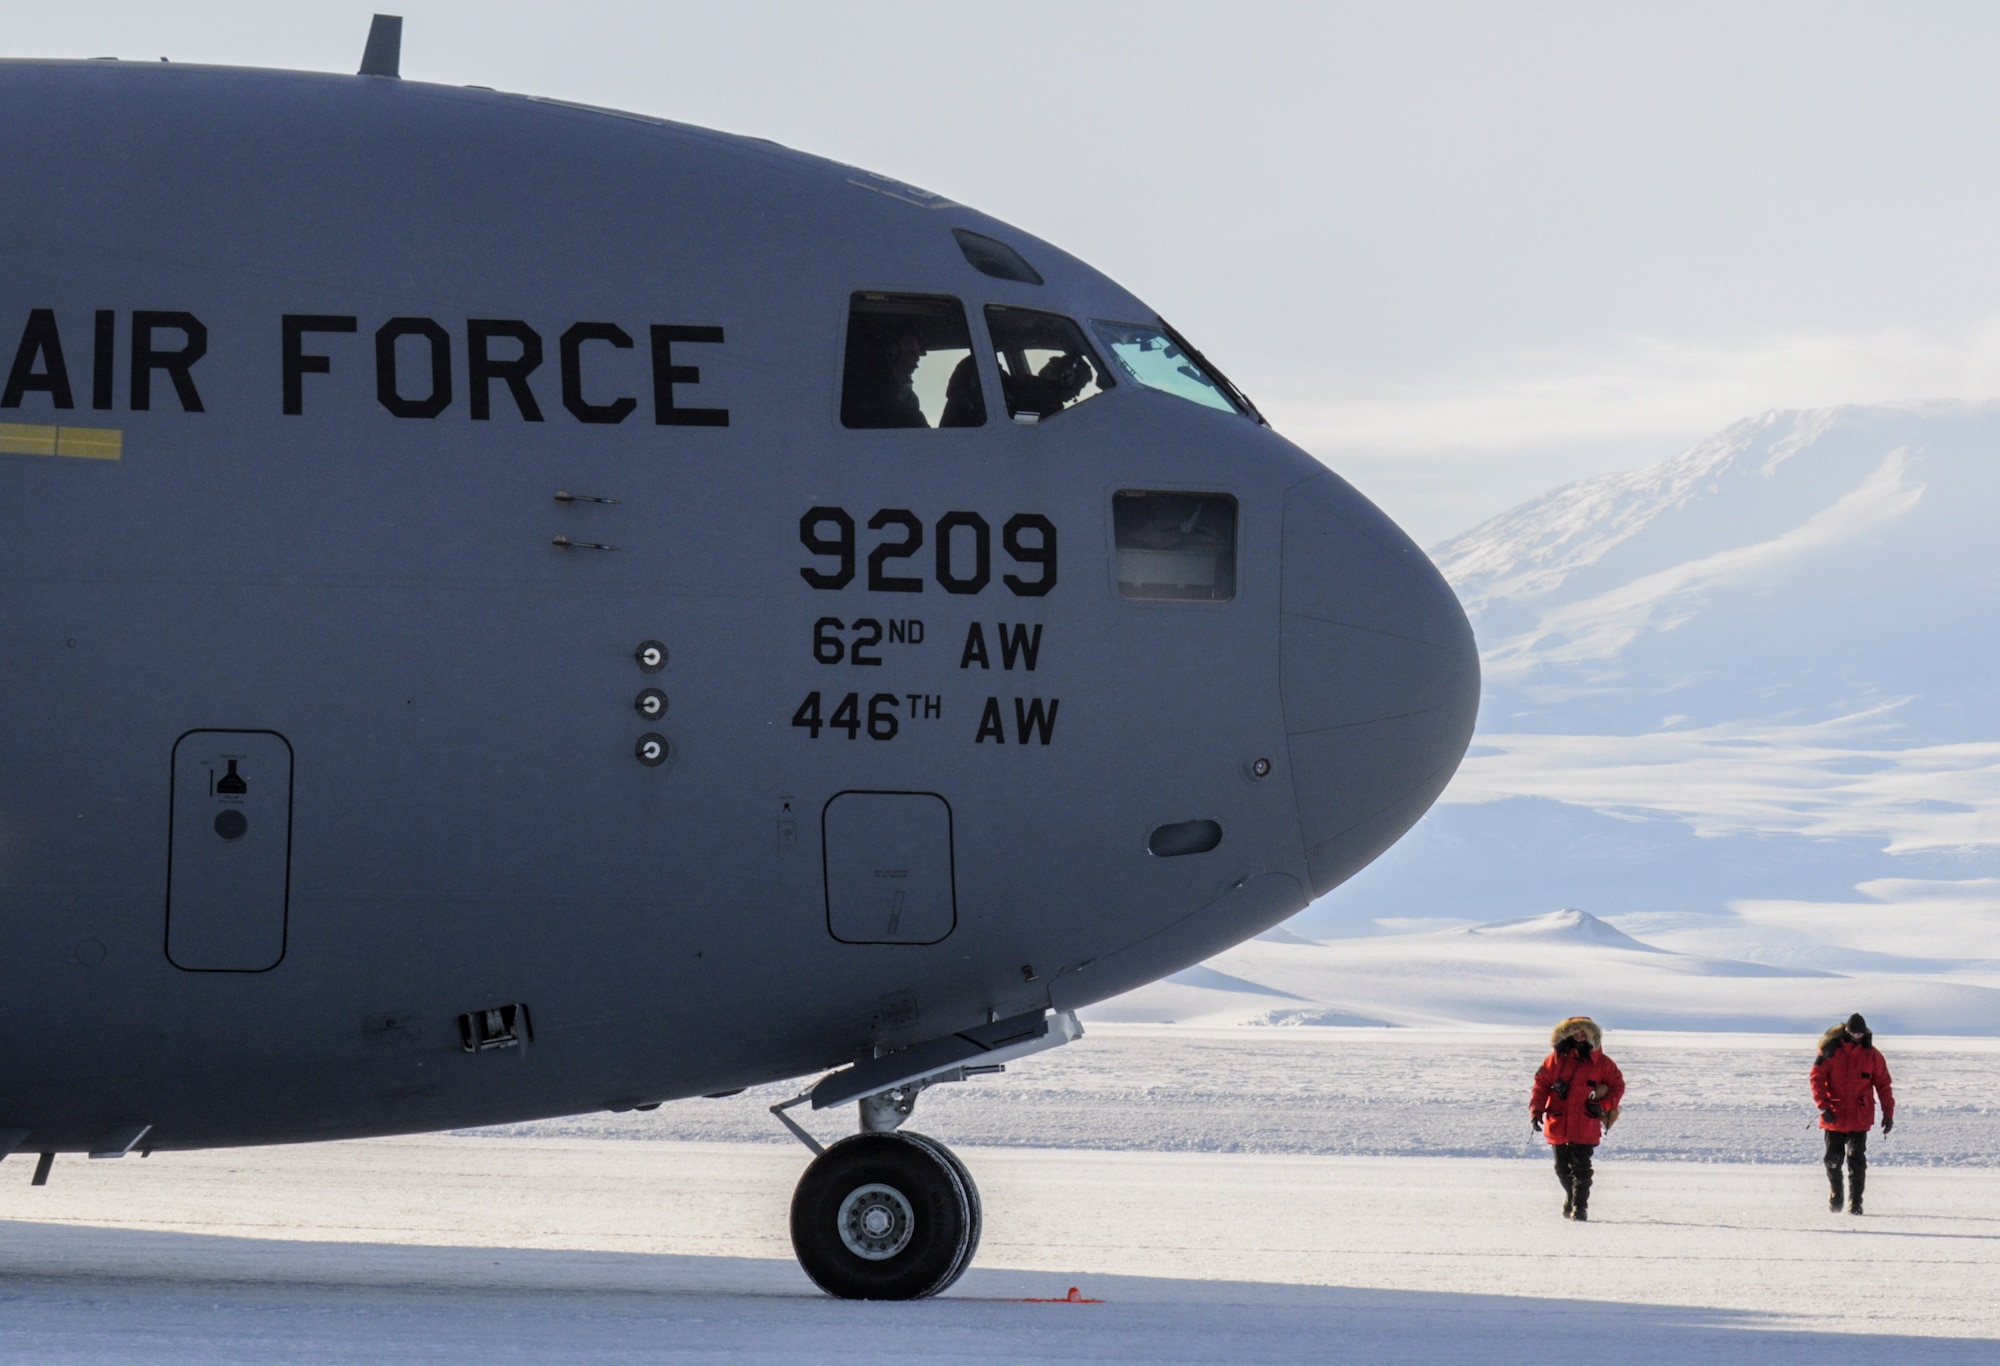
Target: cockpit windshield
909 364
1046 364
1159 359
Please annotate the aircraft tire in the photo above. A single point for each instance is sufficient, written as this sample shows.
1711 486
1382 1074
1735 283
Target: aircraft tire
971 1195
884 1217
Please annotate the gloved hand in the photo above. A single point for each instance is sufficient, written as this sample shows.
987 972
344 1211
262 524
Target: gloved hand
1826 1115
1888 1123
1596 1110
1536 1122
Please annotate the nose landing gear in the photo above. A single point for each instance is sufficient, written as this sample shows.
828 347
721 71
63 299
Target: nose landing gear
888 1215
885 1216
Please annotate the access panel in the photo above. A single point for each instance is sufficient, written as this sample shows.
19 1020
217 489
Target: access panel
229 866
889 876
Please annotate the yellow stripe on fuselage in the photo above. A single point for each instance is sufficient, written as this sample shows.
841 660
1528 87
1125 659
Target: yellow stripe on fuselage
81 443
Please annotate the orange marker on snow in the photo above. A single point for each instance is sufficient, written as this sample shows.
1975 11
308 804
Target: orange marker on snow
1075 1296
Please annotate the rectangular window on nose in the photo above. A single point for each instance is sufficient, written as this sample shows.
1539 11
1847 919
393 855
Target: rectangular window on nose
909 364
1175 546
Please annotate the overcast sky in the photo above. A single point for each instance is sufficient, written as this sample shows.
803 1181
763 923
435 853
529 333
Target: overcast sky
1460 252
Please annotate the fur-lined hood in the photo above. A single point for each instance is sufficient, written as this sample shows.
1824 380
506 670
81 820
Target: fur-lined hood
1831 1040
1596 1035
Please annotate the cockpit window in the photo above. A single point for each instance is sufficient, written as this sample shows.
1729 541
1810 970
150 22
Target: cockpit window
990 256
1046 365
1157 358
1175 546
909 364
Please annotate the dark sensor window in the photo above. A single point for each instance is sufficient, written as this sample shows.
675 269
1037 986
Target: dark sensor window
909 364
1184 837
1175 546
1046 365
990 257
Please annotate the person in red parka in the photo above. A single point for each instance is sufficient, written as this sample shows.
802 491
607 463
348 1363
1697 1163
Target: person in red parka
1846 1077
1576 1096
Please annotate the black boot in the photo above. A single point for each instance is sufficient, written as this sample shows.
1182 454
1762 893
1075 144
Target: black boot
1836 1194
1580 1211
1569 1204
1854 1190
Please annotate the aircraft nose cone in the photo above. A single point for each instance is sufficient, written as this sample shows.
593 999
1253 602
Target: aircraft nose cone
1379 674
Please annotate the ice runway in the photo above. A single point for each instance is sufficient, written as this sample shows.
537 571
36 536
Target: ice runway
1390 1093
477 1249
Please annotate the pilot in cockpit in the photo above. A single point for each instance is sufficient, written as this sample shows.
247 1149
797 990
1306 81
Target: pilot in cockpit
909 364
878 389
1046 366
1050 389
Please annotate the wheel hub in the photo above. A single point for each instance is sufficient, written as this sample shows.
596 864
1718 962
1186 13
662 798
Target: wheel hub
876 1222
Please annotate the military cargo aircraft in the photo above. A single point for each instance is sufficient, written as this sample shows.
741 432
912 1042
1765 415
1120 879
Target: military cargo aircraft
512 609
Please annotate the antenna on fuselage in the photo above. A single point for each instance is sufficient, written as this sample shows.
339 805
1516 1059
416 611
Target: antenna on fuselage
384 54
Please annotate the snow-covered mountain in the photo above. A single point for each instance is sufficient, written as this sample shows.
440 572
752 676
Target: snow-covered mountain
1744 703
1533 970
1798 568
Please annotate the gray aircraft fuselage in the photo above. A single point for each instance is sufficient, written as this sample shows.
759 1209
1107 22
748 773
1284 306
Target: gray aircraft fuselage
317 749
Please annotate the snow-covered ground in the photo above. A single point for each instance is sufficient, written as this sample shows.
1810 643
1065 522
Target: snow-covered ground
458 1249
1230 1194
1388 1092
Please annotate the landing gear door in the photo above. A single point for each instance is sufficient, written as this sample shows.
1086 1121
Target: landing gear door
229 866
889 877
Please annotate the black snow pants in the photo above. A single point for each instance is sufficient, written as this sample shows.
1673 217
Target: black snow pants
1573 1170
1855 1147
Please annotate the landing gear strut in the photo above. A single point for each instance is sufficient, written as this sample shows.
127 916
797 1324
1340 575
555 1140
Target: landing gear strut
889 1215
